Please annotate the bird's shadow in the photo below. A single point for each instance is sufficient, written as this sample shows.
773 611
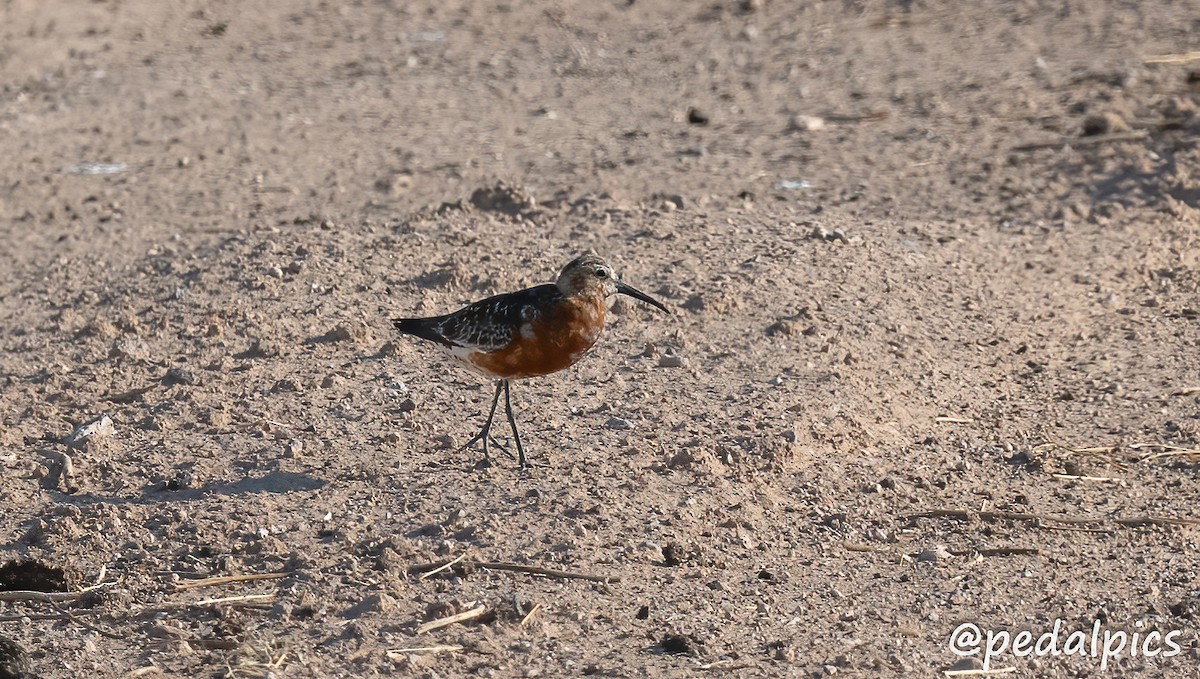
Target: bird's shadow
273 482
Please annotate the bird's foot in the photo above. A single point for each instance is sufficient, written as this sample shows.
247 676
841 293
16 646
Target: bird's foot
483 438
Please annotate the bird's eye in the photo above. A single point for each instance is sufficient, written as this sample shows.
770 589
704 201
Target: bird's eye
601 273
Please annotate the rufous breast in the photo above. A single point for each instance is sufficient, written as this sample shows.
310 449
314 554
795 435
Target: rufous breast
555 340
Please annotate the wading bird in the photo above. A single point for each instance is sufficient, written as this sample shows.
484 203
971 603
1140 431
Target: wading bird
528 333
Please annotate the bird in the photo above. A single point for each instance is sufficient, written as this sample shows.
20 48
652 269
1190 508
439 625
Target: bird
528 333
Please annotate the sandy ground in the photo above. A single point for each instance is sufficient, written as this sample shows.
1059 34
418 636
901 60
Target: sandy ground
931 361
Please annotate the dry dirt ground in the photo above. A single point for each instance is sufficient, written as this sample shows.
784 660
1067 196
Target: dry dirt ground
932 358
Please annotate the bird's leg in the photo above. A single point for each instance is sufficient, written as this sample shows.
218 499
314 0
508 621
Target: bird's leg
484 434
512 422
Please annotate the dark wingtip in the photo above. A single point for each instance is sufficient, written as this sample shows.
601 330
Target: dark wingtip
420 327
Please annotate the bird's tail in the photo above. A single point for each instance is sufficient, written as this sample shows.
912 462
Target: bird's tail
425 328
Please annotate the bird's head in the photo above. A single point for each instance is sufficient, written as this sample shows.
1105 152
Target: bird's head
588 275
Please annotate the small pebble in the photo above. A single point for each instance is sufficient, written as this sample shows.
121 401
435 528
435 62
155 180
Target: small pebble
676 644
99 428
670 361
935 553
619 423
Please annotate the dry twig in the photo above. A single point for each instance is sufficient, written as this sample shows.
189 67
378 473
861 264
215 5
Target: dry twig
1184 58
433 565
224 579
996 551
243 598
724 665
396 653
439 569
968 514
1073 477
476 612
42 597
856 547
428 569
1076 142
529 615
548 572
979 673
1172 451
86 625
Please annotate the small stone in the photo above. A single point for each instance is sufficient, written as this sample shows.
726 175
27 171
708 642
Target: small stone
375 603
13 660
179 375
179 482
652 551
967 664
670 201
293 448
407 405
85 434
694 303
935 553
132 349
785 327
345 332
806 124
262 348
396 185
619 423
100 327
1104 123
285 385
217 417
676 644
389 560
678 554
696 117
670 361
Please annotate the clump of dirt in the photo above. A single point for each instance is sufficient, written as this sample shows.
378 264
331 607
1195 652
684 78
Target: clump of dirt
14 660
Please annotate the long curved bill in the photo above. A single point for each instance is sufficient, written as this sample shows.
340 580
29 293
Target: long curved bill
634 292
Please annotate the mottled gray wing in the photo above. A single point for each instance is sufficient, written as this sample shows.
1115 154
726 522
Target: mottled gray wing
491 324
